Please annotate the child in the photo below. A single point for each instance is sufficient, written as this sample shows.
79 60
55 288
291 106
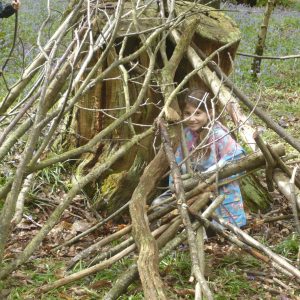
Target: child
219 148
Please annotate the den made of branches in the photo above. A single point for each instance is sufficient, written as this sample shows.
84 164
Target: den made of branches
142 87
104 95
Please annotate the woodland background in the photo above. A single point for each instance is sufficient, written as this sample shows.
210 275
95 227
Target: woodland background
233 274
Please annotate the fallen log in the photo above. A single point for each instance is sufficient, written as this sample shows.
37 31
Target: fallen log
223 81
252 247
282 181
254 243
246 164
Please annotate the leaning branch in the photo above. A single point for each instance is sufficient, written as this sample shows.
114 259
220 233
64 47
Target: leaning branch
182 207
267 119
269 57
55 216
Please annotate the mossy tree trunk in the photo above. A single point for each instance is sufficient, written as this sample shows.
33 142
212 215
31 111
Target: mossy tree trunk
107 100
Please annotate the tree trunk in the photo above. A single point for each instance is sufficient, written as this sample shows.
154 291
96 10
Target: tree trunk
259 49
91 114
255 196
148 250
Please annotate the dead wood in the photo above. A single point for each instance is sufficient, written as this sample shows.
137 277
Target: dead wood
98 245
254 243
117 235
122 283
94 173
274 219
126 279
93 228
148 251
196 203
246 164
267 119
282 165
252 247
182 207
21 200
282 181
87 271
270 163
93 269
294 200
199 188
110 252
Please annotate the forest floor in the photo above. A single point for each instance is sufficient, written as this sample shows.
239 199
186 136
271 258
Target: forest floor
231 273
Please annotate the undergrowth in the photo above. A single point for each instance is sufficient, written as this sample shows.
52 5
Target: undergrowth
278 87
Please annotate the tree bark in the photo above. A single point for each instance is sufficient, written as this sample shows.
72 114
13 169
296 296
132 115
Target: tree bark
148 251
259 49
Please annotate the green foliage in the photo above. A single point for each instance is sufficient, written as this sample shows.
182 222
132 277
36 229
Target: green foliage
54 176
294 4
233 285
228 279
282 40
178 266
289 247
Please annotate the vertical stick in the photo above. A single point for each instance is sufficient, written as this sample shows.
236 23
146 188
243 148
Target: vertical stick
182 207
294 199
185 151
259 50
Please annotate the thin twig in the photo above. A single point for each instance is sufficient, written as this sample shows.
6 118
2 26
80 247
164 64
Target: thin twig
269 57
294 199
182 206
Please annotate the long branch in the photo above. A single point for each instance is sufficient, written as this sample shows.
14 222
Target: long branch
33 68
182 206
94 173
267 119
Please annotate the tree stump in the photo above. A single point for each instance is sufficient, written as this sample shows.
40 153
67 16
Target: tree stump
107 98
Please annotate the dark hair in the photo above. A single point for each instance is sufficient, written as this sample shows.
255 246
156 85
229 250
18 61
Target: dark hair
199 99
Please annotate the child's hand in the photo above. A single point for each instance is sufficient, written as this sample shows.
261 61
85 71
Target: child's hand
218 166
16 4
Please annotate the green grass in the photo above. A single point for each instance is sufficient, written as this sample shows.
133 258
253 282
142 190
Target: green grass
177 265
232 285
289 247
278 85
283 74
280 90
54 176
31 276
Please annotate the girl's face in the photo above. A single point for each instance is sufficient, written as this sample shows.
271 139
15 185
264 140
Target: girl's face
196 119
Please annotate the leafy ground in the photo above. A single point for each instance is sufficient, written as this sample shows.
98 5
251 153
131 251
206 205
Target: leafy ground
231 273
